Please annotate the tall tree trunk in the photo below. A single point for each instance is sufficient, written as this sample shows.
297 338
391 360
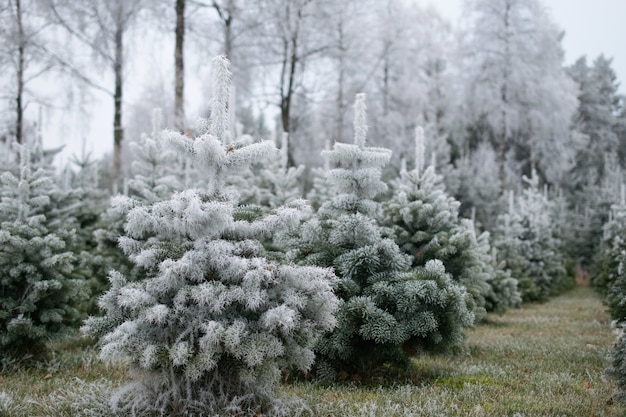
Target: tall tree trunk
287 82
228 31
179 93
225 14
287 95
19 123
118 131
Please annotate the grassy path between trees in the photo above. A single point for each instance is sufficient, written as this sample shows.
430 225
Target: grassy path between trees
540 360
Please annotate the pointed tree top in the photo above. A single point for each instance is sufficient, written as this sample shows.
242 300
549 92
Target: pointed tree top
360 120
419 149
219 124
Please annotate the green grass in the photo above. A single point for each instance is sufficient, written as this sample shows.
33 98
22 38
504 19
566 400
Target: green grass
541 360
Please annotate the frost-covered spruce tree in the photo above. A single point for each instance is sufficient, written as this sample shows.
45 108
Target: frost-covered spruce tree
156 175
618 364
213 323
279 183
503 293
245 182
601 217
155 167
526 241
614 262
613 257
388 309
38 292
322 190
426 224
84 203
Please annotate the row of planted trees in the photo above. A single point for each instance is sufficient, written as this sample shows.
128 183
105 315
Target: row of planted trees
609 278
225 278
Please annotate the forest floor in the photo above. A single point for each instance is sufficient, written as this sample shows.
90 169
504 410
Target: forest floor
540 360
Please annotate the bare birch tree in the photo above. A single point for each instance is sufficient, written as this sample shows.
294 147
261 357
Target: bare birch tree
102 26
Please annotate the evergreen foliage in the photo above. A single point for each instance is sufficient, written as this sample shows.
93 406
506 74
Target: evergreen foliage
212 324
156 168
613 262
618 365
321 190
471 182
503 293
38 291
157 174
527 241
389 310
614 257
279 183
603 207
599 104
427 226
246 181
83 202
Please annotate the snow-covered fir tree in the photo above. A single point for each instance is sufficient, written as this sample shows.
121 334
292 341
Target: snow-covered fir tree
426 224
322 190
471 182
526 240
38 291
155 167
279 183
590 213
157 172
84 202
503 293
213 323
618 365
389 310
246 181
613 261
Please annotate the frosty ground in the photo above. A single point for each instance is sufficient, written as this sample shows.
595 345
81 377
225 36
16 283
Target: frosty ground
541 360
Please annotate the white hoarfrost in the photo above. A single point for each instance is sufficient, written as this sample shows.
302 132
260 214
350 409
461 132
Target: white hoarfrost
213 322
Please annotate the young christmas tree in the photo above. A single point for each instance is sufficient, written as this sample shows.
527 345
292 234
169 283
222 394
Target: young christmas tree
613 258
157 172
38 292
213 322
156 169
389 310
600 237
618 364
427 226
614 268
526 240
322 190
246 182
84 202
279 183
